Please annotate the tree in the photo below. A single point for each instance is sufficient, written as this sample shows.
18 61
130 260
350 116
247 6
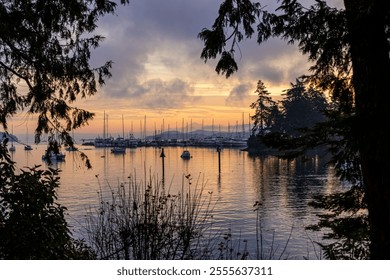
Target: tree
45 47
299 108
283 125
302 108
348 47
265 109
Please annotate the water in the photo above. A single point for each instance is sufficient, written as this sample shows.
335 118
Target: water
281 188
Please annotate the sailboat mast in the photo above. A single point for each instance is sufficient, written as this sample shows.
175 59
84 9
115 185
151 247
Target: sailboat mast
145 128
123 128
104 125
107 125
243 126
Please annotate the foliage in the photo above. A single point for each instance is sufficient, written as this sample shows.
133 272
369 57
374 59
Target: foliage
348 224
319 30
266 110
346 217
323 34
300 109
32 223
238 16
45 47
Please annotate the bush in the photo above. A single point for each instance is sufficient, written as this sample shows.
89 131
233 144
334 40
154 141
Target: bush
32 223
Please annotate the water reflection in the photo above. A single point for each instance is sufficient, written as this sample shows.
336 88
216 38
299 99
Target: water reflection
282 188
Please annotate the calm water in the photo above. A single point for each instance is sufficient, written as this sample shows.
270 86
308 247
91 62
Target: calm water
282 188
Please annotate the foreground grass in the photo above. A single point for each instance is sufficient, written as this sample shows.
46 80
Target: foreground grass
142 220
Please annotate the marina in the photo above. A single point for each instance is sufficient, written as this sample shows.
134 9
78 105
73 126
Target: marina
164 142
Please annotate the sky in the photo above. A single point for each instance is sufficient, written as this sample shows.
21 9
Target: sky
158 74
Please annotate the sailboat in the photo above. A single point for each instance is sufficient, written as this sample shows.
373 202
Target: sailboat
12 148
71 148
53 154
27 147
53 157
106 141
120 148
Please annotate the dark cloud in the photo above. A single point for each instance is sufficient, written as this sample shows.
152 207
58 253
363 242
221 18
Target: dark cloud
144 30
180 19
154 44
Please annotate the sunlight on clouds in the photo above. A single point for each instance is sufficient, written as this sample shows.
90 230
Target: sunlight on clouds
157 71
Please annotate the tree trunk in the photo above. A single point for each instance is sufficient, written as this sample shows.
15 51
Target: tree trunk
371 80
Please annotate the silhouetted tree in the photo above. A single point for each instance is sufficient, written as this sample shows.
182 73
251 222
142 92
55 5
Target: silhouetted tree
266 110
301 108
45 48
348 47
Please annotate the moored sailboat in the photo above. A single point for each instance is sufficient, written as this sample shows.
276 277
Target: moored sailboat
51 156
12 148
27 147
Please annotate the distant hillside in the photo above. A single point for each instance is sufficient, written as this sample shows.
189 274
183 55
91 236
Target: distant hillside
10 136
197 134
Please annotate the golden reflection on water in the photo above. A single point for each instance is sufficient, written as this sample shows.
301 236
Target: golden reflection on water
282 188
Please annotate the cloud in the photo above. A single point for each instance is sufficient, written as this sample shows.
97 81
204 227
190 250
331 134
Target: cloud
156 56
159 94
154 40
275 62
239 95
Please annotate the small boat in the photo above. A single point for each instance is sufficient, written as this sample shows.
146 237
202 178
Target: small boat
12 148
235 143
185 155
118 150
132 142
71 149
53 157
28 148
